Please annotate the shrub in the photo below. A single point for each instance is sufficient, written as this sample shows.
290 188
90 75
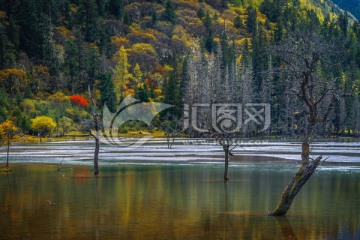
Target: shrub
77 100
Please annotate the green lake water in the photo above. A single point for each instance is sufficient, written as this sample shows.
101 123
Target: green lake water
175 202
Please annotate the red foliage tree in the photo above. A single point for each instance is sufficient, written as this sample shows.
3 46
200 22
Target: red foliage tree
77 100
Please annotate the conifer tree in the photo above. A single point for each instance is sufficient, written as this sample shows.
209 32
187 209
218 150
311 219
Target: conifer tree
108 96
121 72
237 22
169 13
209 42
137 73
71 63
116 8
251 23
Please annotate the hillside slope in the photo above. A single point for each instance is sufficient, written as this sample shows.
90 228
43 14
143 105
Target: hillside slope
323 8
138 48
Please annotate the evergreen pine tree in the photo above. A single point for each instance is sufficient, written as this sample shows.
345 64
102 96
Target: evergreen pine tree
126 19
343 22
13 33
71 64
209 38
116 8
87 17
200 12
278 33
154 18
3 47
251 23
237 22
169 13
108 96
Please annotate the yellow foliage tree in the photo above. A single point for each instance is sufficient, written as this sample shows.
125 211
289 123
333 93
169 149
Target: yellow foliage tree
133 81
43 125
28 106
8 131
145 55
64 33
137 73
120 41
121 72
58 97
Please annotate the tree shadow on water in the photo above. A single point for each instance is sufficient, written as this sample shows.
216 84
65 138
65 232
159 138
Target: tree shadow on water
285 227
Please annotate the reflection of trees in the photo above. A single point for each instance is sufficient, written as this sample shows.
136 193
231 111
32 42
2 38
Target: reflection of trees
97 209
169 202
222 224
287 232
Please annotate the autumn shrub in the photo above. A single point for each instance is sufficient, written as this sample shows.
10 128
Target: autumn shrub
58 97
77 100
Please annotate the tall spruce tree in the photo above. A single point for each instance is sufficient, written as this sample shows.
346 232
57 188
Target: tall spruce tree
107 90
209 42
169 13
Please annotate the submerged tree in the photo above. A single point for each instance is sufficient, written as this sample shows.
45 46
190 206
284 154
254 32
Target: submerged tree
171 125
228 143
96 136
304 58
7 133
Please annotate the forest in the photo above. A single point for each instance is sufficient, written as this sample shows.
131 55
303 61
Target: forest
53 54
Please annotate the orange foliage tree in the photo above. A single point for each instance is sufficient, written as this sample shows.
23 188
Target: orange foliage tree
77 100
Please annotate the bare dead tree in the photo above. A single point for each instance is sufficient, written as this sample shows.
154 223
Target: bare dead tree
303 56
172 128
96 120
228 143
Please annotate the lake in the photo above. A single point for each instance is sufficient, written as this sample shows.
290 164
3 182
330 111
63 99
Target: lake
176 201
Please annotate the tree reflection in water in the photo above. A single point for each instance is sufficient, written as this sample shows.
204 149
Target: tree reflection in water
173 202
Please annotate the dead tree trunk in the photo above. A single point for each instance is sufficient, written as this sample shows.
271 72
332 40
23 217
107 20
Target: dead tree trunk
308 166
226 151
97 144
8 152
297 182
226 142
96 136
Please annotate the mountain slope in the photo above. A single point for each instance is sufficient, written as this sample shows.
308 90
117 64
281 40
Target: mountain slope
138 48
323 8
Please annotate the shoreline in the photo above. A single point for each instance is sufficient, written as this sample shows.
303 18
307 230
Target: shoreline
253 160
80 153
29 139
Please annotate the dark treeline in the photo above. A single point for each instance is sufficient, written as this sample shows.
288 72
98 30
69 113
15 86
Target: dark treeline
176 52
